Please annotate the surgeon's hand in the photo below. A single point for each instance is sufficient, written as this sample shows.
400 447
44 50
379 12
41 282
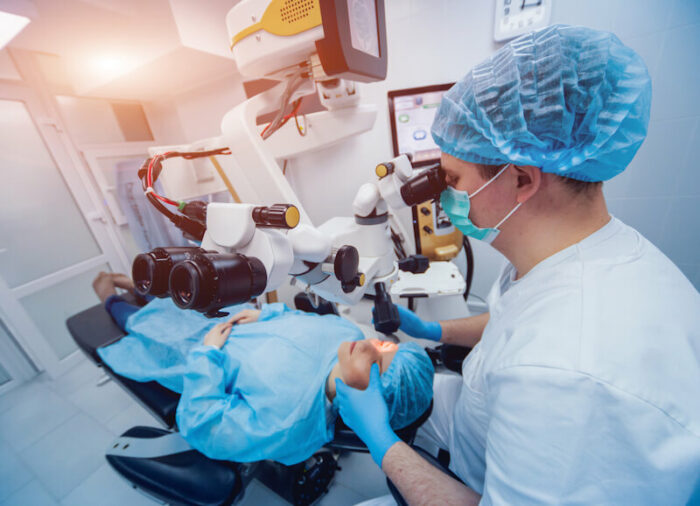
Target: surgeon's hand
218 334
246 316
412 325
365 412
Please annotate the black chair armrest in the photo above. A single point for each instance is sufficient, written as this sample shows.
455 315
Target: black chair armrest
94 328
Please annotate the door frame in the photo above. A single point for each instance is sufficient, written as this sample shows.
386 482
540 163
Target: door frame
93 153
69 164
17 364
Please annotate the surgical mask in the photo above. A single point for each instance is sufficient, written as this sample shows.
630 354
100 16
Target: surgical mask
456 205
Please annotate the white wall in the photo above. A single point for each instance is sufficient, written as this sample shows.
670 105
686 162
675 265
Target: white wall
197 113
437 41
659 193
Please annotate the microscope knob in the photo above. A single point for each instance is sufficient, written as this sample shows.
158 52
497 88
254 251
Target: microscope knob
358 280
346 263
384 169
277 216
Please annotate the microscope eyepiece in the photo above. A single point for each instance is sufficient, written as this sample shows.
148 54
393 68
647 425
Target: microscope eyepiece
425 186
150 271
209 281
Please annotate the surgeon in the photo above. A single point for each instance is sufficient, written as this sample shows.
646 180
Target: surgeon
259 385
583 386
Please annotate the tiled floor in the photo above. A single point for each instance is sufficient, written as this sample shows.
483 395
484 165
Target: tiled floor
53 435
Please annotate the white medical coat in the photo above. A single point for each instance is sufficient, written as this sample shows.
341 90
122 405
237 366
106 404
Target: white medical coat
585 387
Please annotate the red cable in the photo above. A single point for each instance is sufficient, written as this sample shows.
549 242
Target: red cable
163 156
285 119
149 180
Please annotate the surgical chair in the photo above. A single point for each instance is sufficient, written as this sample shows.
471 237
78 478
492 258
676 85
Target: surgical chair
160 463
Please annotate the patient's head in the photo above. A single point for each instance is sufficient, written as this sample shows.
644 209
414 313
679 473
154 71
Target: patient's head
406 374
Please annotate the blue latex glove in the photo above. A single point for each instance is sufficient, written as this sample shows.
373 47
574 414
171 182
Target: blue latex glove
365 412
412 325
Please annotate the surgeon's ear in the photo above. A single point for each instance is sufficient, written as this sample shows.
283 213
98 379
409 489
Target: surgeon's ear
529 181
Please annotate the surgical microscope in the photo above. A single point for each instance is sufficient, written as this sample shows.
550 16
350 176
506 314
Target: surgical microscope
248 249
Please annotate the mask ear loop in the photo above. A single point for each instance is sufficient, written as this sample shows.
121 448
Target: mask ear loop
508 215
490 180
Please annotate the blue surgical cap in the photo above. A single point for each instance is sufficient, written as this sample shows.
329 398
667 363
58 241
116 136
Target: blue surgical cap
570 100
408 385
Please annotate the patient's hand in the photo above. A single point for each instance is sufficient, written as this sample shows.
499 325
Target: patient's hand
246 316
218 334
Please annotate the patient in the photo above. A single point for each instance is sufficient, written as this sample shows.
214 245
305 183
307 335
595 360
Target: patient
259 385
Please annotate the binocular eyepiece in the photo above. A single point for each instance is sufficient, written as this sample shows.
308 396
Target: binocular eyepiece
151 271
198 279
427 185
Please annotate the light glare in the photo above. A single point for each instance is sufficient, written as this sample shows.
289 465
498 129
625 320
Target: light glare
10 26
110 64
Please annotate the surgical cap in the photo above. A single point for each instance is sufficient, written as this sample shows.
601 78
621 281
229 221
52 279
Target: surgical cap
570 100
408 385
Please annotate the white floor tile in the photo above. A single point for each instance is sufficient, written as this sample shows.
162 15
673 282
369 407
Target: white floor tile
106 488
37 411
84 374
16 396
13 473
32 494
132 416
10 399
102 402
69 454
338 495
360 474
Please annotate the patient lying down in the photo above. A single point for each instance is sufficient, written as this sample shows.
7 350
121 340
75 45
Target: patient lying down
260 385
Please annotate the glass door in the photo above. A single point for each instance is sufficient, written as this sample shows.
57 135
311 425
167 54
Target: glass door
54 236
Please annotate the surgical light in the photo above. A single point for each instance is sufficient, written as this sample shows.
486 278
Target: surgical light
10 26
344 38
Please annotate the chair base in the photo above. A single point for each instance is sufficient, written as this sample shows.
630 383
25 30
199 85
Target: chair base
161 464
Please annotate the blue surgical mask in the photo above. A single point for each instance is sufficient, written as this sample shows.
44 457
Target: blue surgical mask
456 205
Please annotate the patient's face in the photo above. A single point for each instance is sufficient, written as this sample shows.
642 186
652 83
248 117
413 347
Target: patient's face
356 359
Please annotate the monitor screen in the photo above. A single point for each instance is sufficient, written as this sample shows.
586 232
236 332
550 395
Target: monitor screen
411 113
364 34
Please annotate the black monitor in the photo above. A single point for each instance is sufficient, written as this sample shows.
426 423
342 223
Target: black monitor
411 113
354 39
